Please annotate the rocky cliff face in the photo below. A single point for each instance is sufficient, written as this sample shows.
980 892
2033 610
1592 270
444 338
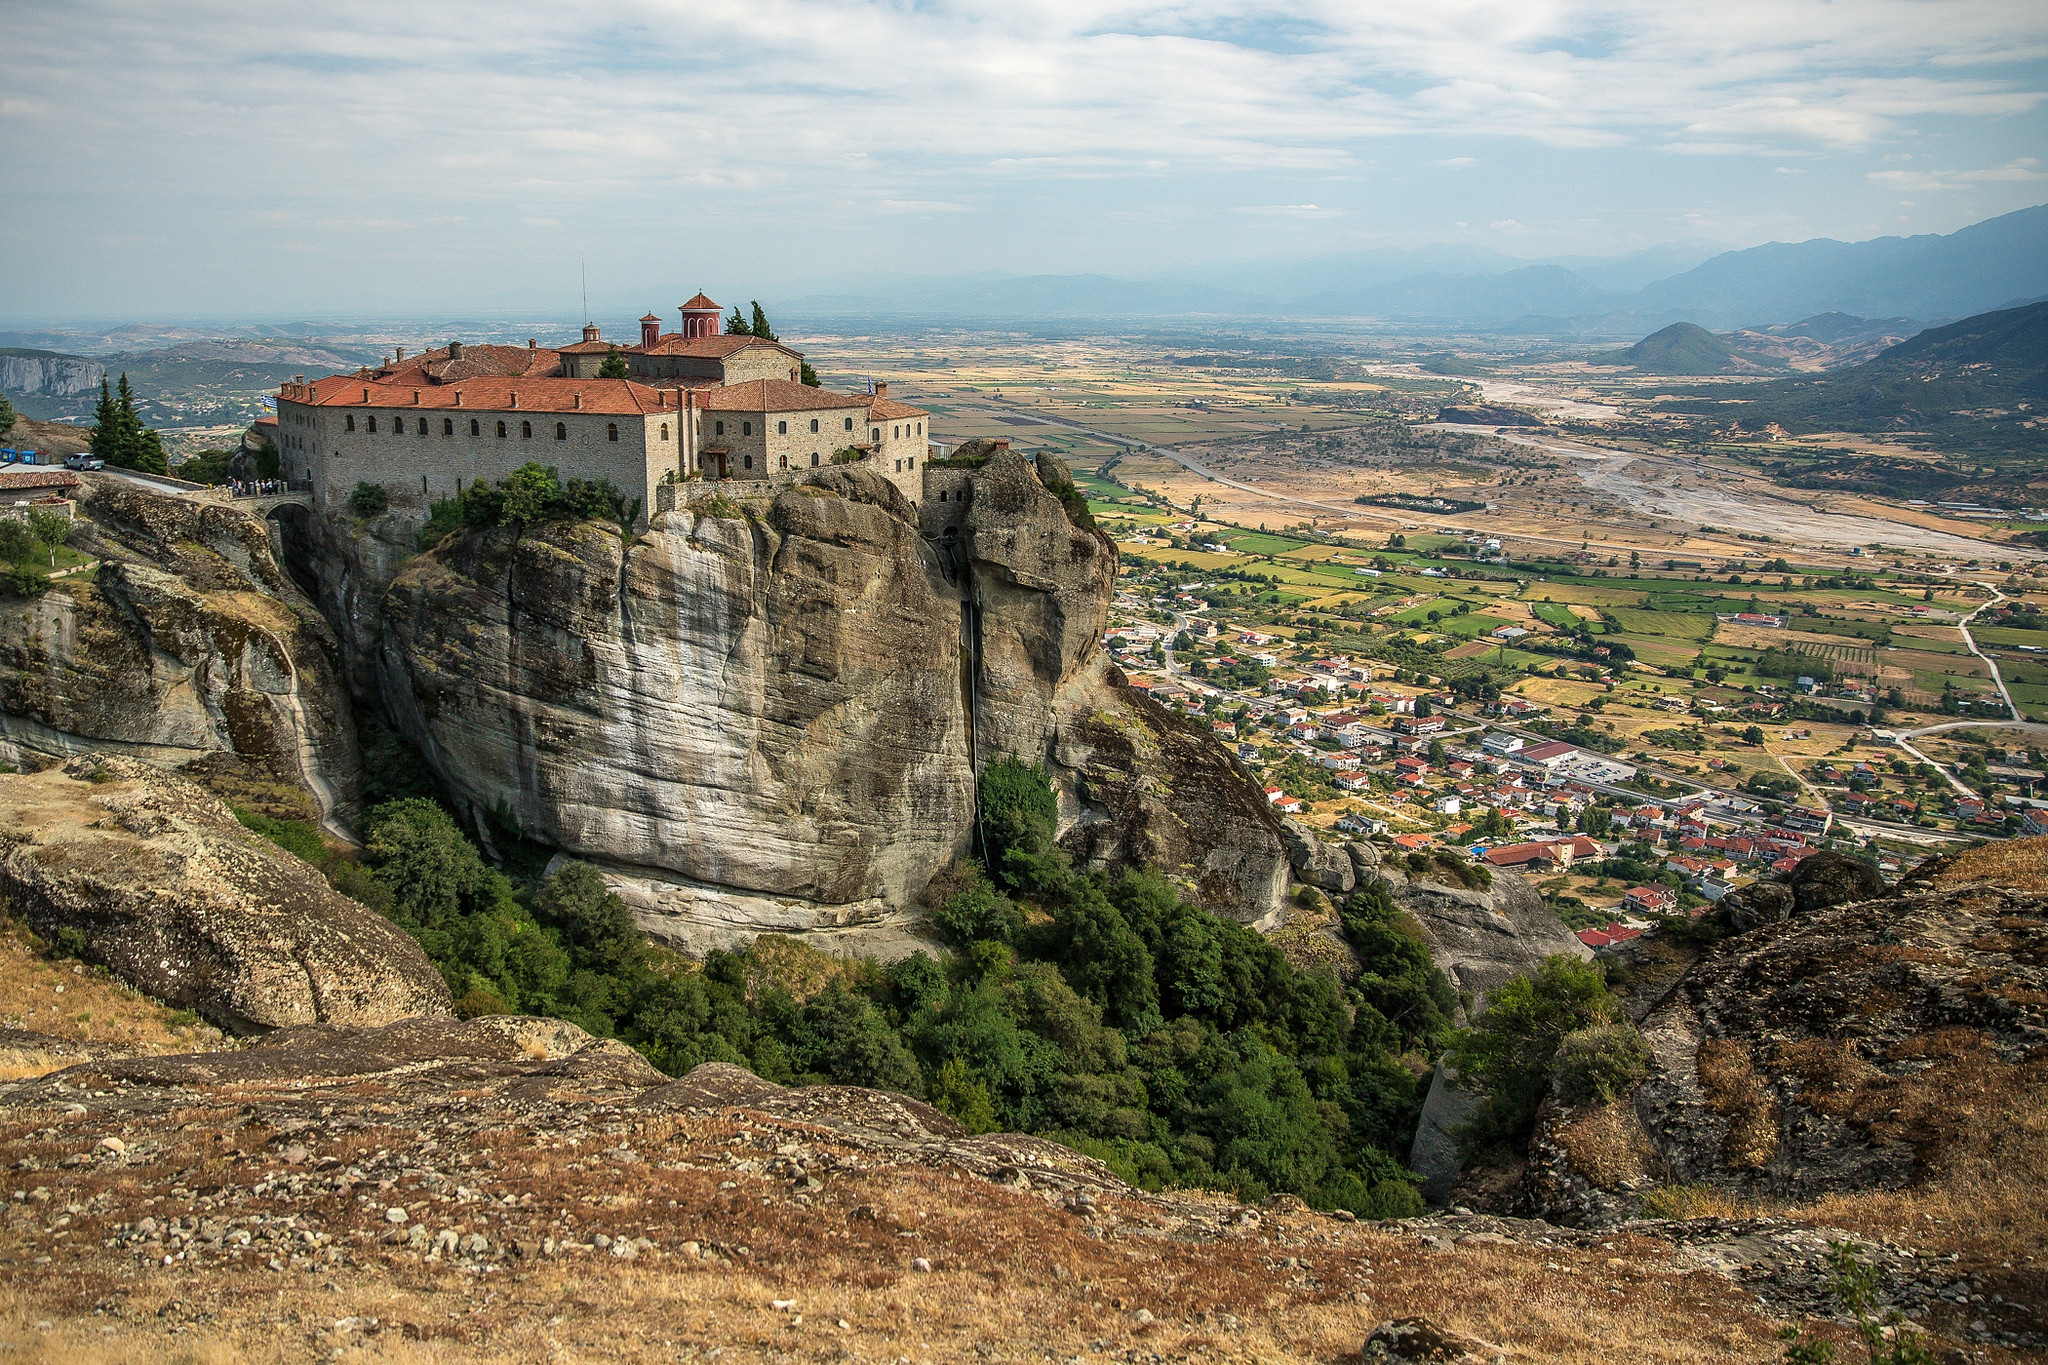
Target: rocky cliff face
48 374
769 703
1149 789
773 720
154 879
189 645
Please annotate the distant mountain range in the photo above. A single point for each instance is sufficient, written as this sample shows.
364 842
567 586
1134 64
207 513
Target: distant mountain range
1824 342
1989 265
1977 386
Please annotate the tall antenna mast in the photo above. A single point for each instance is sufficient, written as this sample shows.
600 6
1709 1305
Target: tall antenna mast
584 266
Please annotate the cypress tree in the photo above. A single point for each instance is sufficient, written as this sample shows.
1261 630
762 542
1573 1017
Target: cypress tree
736 326
139 447
106 429
761 328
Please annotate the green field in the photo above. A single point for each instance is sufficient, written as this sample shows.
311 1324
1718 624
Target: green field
1672 625
1556 614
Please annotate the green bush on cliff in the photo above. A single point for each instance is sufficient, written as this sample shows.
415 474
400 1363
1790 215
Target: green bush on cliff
1508 1054
1105 1011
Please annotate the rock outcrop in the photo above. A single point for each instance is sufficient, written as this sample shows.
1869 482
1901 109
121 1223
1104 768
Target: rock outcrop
1479 939
189 644
1148 789
1482 938
154 879
1849 1048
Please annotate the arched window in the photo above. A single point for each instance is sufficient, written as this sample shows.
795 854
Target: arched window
782 462
718 428
373 425
664 431
423 426
447 426
874 433
561 431
475 427
814 459
750 462
920 428
526 431
942 495
349 422
814 424
746 428
782 428
501 431
849 424
611 431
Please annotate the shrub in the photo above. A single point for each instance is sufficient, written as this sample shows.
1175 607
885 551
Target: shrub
721 507
1506 1055
974 911
1598 1063
369 499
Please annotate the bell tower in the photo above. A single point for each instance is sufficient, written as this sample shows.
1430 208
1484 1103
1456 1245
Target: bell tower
700 317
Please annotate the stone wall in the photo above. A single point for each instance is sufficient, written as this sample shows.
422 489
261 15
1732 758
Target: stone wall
418 469
942 511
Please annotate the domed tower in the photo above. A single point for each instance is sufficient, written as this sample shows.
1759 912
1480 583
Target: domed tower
650 332
701 318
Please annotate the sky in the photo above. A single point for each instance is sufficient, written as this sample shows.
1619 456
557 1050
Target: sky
375 159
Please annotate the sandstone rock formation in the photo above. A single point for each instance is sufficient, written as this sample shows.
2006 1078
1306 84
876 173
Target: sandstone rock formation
1482 938
187 645
155 879
770 703
773 721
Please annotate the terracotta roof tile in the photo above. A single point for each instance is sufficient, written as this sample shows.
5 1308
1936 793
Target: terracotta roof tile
492 394
701 300
716 347
434 367
38 478
774 395
889 410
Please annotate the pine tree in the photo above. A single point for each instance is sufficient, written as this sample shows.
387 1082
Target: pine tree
761 328
736 326
614 366
807 374
106 430
7 414
139 448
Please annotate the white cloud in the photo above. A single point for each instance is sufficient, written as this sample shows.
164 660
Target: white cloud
2020 169
1292 210
727 122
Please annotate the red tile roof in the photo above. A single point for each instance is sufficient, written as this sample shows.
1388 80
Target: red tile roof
774 395
621 396
650 318
889 410
593 348
38 478
478 362
701 300
715 348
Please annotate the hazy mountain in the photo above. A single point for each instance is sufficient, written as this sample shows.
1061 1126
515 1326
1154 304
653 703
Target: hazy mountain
1681 348
1988 265
1977 385
1825 342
